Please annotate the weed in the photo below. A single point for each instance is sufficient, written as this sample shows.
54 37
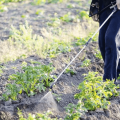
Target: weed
34 44
57 47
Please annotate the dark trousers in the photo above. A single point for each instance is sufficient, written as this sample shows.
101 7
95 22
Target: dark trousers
109 44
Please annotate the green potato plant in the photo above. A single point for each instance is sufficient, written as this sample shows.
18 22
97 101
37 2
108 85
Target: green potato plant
74 112
95 93
11 92
30 80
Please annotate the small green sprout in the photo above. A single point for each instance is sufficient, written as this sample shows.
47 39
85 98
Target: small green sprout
23 16
39 12
72 72
57 97
86 63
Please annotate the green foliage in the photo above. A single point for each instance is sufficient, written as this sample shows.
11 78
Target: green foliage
57 97
11 92
34 44
66 17
72 72
30 80
39 12
98 54
118 77
86 63
23 16
55 1
74 112
82 41
1 69
55 22
6 1
95 93
70 6
40 2
2 7
84 14
39 116
57 47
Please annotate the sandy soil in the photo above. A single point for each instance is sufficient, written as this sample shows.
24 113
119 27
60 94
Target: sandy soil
66 86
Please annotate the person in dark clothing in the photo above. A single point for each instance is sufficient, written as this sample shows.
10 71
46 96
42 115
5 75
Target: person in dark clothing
109 37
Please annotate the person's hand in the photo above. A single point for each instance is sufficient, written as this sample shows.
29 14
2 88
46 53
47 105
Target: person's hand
118 4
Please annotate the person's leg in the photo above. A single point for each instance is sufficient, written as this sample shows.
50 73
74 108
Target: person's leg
102 33
112 47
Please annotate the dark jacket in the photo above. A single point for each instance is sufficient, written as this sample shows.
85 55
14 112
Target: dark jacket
94 9
95 5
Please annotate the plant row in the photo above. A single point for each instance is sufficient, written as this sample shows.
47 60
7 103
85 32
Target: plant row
35 2
94 93
31 80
